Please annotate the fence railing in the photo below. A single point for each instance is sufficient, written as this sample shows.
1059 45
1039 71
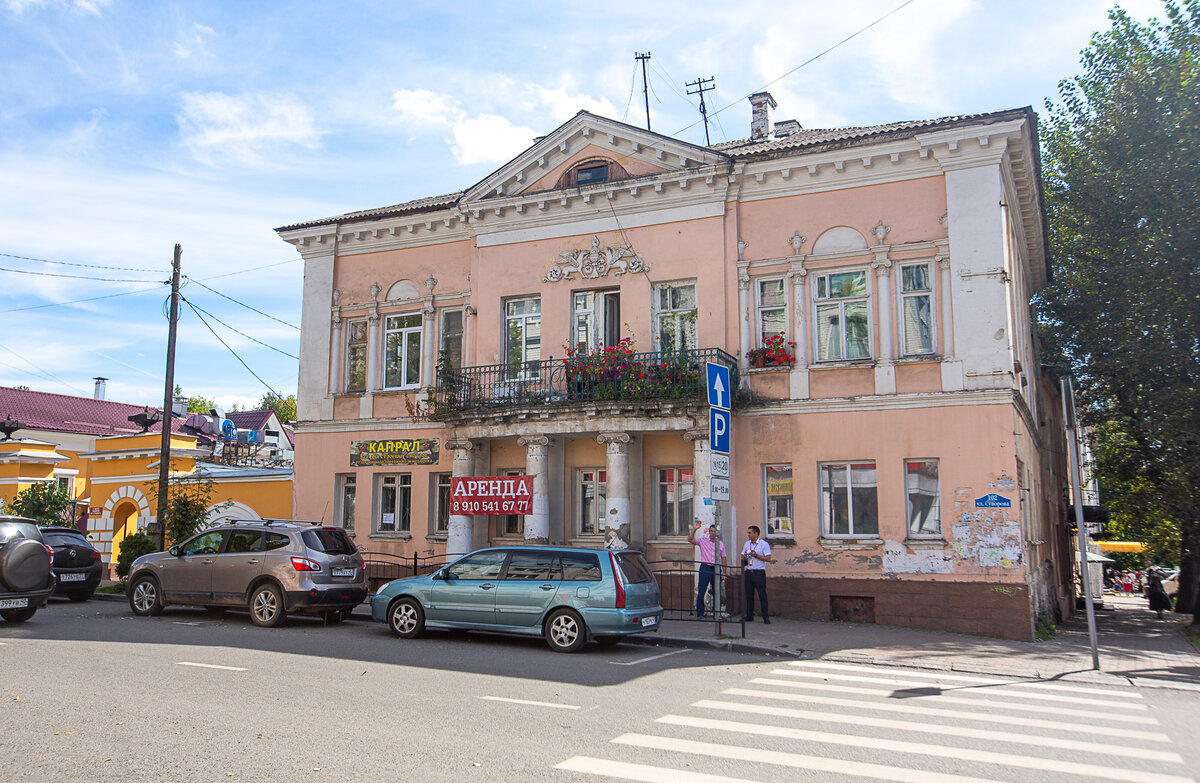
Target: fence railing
611 375
678 584
382 567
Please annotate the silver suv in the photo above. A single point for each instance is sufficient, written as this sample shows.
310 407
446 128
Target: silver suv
271 567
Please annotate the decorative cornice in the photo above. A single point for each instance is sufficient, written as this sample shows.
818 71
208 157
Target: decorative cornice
595 262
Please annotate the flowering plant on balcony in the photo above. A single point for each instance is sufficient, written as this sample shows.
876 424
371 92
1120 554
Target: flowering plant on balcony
776 351
618 372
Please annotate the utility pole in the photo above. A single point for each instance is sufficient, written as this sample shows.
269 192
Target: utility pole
164 455
645 90
699 84
1081 531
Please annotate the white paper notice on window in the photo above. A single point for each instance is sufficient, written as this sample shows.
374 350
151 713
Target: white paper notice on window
388 519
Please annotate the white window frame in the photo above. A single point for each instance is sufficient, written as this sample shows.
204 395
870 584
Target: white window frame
760 308
400 508
783 531
903 296
444 333
343 482
825 511
439 504
658 312
521 369
682 525
599 484
353 346
399 359
819 302
935 508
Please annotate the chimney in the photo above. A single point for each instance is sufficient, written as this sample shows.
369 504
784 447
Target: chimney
786 128
761 104
99 394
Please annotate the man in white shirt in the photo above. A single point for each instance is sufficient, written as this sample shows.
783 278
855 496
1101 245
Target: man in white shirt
710 545
755 556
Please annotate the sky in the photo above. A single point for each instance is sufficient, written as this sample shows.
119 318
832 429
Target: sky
127 127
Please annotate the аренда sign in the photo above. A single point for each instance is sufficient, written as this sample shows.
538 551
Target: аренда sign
471 495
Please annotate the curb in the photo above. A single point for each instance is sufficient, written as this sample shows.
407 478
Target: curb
722 645
109 597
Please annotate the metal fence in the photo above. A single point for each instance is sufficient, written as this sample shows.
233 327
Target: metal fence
613 376
383 567
724 604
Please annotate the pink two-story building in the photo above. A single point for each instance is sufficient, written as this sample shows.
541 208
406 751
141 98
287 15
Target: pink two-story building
893 435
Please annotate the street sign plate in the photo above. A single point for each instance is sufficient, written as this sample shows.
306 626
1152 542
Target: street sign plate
720 465
720 489
718 430
719 393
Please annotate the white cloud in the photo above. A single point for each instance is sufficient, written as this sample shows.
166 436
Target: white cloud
426 108
244 127
489 138
196 42
563 104
87 6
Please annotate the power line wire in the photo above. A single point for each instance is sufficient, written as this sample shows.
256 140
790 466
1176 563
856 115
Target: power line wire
243 304
38 371
243 334
80 301
76 277
252 269
235 353
89 266
815 57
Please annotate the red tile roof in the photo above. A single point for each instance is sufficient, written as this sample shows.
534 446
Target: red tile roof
84 415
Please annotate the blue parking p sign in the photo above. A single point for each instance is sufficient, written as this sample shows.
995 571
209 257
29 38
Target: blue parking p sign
718 430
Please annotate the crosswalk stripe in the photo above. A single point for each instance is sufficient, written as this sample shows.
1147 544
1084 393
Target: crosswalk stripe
627 771
1048 686
992 704
913 709
990 735
795 760
924 749
959 689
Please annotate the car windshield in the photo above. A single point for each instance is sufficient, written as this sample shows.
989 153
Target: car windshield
634 568
11 530
331 541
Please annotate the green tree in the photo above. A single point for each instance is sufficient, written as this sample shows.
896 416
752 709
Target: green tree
196 403
1122 186
284 407
189 500
45 503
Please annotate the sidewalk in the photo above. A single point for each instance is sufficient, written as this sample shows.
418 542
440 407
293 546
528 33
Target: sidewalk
1135 646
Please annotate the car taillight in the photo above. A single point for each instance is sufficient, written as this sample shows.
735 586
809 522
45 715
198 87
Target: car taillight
50 549
95 554
304 564
617 581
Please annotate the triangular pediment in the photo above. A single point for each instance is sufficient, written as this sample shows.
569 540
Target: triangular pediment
588 137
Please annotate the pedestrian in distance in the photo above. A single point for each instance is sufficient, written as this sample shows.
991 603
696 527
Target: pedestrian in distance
755 555
1159 600
710 547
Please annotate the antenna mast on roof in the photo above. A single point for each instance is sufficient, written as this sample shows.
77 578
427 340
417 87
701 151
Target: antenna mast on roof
699 84
645 90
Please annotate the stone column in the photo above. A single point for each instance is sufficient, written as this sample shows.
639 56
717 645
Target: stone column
335 354
459 533
428 345
745 316
617 530
701 478
366 404
799 376
947 324
885 368
537 465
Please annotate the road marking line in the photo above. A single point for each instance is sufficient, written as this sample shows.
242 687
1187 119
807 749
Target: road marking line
1048 686
795 760
626 771
647 660
924 749
177 622
959 689
950 731
533 703
998 705
213 666
912 709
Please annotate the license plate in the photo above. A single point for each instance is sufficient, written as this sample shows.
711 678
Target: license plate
14 603
343 572
647 621
72 577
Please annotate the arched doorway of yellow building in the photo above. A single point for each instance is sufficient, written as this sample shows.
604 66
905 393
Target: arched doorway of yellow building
125 518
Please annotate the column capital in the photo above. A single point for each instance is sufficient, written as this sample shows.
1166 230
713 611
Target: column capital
459 444
943 262
613 437
533 440
700 433
882 265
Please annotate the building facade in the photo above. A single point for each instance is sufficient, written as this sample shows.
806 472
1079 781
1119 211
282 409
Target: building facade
892 433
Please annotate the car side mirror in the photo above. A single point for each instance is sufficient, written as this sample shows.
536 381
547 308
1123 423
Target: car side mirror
175 551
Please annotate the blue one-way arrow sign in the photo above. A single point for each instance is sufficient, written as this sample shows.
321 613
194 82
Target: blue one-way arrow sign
719 393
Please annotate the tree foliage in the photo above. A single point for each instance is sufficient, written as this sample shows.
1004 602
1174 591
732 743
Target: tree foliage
46 503
196 403
133 546
284 407
189 500
1122 184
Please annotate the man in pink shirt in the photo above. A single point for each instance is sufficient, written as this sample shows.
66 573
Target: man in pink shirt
709 545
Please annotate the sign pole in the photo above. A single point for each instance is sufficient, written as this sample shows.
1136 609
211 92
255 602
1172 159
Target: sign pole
1081 534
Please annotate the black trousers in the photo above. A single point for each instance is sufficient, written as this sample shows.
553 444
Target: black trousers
756 582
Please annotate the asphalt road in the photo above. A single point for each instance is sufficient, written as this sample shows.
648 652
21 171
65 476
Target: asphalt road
92 693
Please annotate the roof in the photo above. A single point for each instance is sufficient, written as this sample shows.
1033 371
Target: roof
250 420
83 415
808 140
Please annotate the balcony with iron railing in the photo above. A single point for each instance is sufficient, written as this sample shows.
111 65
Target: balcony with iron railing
607 375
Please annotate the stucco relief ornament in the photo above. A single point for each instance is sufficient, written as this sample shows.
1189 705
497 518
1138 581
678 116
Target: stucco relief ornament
881 231
797 241
595 262
742 245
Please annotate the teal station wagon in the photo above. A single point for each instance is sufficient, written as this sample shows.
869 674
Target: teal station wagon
567 595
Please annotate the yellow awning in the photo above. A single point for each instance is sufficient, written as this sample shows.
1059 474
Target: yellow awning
1121 546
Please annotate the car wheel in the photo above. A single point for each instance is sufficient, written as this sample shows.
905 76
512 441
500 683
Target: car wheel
18 615
565 631
608 641
407 618
145 598
80 596
266 606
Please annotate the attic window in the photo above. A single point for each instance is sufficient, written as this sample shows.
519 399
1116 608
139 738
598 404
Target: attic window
591 174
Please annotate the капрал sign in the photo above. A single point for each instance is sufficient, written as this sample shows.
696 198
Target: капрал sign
491 495
364 453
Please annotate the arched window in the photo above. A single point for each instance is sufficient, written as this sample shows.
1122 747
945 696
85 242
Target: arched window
592 172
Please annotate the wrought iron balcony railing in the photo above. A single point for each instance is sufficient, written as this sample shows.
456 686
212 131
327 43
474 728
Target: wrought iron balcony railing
602 376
